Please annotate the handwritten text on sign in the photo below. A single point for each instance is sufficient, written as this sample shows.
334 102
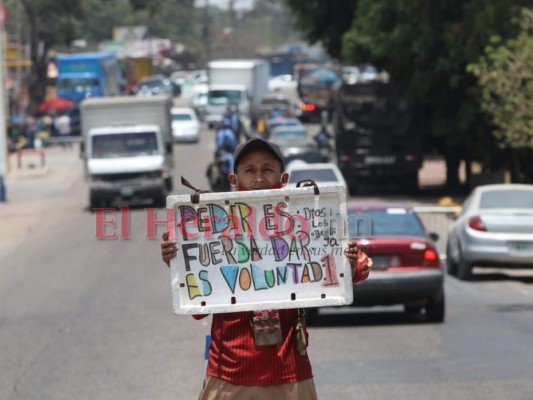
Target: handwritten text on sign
262 249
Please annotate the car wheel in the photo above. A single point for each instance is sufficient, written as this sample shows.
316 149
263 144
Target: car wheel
352 189
95 202
160 201
436 309
311 316
412 309
464 270
451 265
411 184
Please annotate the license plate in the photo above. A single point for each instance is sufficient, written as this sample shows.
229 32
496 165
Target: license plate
380 262
126 191
522 247
383 160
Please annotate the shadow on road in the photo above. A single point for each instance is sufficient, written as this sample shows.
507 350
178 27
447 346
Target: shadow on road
355 318
516 276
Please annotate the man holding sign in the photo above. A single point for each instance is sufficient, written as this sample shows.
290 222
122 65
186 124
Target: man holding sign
261 354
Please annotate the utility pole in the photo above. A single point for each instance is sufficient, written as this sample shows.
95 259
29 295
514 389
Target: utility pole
3 133
206 32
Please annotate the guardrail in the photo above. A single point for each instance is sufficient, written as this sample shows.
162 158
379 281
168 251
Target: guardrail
438 219
63 140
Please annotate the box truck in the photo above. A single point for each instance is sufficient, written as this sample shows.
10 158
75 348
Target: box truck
239 83
127 149
83 75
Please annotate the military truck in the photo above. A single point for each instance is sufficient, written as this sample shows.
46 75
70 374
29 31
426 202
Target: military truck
376 141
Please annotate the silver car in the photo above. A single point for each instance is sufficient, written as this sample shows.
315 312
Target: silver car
494 228
295 144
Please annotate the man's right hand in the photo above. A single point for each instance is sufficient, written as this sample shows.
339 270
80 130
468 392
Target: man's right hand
168 249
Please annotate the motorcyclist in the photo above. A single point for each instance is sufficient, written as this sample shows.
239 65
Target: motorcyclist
218 171
322 138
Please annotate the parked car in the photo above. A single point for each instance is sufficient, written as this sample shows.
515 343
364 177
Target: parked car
494 228
185 125
406 266
295 143
321 173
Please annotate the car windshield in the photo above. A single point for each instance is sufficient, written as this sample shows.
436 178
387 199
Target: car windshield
124 145
513 198
181 117
77 84
292 134
318 175
384 222
224 97
284 121
152 84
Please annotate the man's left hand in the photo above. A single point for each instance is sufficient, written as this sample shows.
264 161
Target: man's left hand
359 261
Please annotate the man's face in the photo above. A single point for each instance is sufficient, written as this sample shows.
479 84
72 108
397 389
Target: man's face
258 169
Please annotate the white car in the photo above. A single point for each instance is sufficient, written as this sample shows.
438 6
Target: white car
494 228
321 173
185 125
281 82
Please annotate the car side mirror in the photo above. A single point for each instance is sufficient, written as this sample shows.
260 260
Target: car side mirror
434 236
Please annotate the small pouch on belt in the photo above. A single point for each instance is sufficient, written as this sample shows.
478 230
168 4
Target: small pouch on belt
267 328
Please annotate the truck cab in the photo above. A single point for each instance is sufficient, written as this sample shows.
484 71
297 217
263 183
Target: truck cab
128 149
219 97
127 162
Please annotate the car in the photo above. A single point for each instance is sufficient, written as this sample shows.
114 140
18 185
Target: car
494 228
185 125
295 143
272 123
275 103
281 82
154 85
198 99
321 173
406 268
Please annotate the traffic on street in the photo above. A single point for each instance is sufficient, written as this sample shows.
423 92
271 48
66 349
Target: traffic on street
266 200
87 317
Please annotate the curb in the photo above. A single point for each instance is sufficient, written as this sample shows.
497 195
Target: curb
35 173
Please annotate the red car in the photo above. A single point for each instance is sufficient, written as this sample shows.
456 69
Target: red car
406 265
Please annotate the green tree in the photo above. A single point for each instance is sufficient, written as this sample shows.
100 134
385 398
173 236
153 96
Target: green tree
425 45
324 21
46 24
505 76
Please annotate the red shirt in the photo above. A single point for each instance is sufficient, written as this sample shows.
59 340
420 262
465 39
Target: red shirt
234 357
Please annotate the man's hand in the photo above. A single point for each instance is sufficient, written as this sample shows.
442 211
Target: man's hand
168 249
359 261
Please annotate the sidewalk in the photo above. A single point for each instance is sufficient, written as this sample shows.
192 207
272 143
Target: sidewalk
33 187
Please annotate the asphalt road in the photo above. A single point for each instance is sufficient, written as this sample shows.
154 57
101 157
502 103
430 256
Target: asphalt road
82 318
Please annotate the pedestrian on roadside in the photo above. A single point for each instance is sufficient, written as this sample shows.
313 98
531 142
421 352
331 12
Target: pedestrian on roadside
238 367
63 128
30 131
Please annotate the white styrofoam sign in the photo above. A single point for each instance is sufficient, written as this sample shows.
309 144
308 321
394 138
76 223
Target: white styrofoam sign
264 249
